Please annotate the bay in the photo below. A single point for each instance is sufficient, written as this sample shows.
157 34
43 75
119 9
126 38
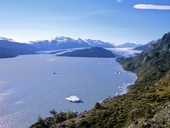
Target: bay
32 85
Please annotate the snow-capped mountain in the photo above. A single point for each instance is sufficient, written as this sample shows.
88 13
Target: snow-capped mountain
145 46
67 43
128 45
6 39
98 43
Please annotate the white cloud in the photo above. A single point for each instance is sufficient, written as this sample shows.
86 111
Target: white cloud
152 6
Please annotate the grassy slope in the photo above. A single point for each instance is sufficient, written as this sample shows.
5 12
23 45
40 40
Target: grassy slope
146 105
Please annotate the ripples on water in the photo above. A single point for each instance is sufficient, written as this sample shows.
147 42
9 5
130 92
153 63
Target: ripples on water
29 87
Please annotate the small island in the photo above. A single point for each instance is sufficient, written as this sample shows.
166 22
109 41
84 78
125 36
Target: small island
89 52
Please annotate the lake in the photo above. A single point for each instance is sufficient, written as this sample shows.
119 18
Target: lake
29 87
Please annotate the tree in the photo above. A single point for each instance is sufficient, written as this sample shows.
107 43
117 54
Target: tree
53 112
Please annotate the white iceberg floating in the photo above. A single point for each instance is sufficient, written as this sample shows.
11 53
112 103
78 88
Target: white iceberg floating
74 99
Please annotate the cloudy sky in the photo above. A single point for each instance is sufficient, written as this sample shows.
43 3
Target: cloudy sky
115 21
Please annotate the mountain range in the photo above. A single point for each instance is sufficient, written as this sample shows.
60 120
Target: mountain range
10 48
145 46
129 45
68 43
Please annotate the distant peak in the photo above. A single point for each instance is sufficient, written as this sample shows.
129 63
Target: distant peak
8 39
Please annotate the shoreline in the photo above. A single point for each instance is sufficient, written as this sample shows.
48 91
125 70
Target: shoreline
122 91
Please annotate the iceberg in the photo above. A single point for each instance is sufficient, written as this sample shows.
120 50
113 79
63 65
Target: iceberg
74 99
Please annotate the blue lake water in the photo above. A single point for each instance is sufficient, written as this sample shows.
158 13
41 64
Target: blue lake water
28 87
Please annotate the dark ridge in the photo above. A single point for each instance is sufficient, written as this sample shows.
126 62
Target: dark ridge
90 52
12 49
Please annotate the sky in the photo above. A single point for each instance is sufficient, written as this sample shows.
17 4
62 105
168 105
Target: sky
115 21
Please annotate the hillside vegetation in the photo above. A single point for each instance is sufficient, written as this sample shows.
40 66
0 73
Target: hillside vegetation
146 105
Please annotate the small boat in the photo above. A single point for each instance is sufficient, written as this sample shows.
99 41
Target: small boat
74 99
118 73
54 73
